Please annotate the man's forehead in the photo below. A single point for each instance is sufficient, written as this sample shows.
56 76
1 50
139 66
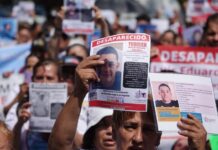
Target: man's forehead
110 56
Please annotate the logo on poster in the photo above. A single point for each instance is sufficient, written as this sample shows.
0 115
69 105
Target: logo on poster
209 120
140 94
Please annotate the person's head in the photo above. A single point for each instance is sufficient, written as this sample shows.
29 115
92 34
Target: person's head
165 93
46 71
180 144
31 61
63 42
143 19
210 33
168 38
107 72
135 130
6 136
78 50
99 133
24 34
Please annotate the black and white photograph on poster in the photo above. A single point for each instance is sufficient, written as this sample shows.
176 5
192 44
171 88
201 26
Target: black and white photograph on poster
123 80
47 100
56 109
40 104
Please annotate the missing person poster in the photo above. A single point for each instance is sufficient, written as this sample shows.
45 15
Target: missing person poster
9 86
123 77
176 95
201 61
78 17
47 100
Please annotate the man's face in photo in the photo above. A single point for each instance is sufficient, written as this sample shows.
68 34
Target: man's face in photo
165 93
107 72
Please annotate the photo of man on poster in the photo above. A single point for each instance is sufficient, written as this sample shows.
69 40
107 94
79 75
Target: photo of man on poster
109 74
166 97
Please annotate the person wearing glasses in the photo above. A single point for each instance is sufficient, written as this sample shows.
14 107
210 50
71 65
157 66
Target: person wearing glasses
110 76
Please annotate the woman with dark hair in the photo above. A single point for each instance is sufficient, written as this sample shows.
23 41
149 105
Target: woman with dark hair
210 33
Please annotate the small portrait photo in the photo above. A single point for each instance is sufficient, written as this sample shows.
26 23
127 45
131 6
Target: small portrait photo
110 72
164 94
56 109
40 104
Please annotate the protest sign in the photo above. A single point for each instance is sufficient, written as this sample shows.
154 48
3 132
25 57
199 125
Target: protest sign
8 29
24 11
46 100
78 17
202 61
176 95
12 58
198 10
7 85
123 77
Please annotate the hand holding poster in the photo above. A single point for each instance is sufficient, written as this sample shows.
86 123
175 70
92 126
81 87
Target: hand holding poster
123 77
176 95
46 101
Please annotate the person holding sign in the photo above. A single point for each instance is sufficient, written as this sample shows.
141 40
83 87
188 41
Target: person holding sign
166 97
110 77
131 130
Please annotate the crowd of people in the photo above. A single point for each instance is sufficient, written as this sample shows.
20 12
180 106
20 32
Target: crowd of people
79 126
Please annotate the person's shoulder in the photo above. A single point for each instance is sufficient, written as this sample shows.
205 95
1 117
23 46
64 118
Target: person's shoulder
158 103
175 103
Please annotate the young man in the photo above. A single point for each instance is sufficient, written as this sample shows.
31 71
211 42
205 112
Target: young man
166 97
132 130
110 76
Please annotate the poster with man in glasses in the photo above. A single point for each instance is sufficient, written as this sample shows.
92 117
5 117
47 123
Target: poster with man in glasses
123 76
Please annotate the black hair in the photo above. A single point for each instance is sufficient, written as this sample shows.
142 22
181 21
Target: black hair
108 50
30 55
169 31
163 84
47 62
143 17
211 18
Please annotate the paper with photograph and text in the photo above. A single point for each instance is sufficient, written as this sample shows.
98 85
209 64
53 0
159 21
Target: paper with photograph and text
123 77
176 95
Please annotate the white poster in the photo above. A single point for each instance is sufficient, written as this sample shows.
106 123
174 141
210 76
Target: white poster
123 77
47 100
176 95
78 17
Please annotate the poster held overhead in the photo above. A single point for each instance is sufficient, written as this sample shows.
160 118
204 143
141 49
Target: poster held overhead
123 77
